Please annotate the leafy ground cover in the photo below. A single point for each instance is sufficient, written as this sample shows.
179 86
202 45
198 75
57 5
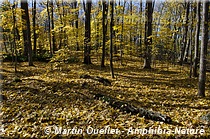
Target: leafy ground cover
46 95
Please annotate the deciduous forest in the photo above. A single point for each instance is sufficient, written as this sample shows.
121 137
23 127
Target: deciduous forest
105 69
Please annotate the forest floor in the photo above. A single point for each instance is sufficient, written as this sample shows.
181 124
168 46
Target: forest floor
56 97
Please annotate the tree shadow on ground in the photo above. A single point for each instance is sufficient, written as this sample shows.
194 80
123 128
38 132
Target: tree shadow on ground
170 82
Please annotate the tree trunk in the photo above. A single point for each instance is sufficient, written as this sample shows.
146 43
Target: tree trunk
25 51
122 36
148 39
174 45
104 28
52 22
27 35
140 34
131 29
34 25
186 54
111 37
61 28
87 40
183 49
49 29
195 62
193 16
77 25
116 31
4 37
203 53
14 33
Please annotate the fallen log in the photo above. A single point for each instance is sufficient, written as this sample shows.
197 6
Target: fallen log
128 108
106 82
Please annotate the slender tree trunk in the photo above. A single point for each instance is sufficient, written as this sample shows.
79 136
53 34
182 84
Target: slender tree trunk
49 29
11 46
14 33
27 40
97 34
140 42
1 50
52 22
192 40
87 40
189 43
186 54
148 39
116 31
25 50
5 39
77 25
195 62
104 28
122 36
203 53
34 26
111 37
183 49
61 28
131 29
174 45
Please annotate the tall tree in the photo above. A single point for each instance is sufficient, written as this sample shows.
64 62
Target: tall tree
104 28
49 29
117 22
183 48
34 25
87 40
122 31
131 28
148 33
195 62
52 23
111 37
76 24
61 32
140 32
193 16
203 52
14 33
24 29
27 32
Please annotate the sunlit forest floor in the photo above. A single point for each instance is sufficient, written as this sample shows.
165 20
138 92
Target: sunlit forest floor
51 94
